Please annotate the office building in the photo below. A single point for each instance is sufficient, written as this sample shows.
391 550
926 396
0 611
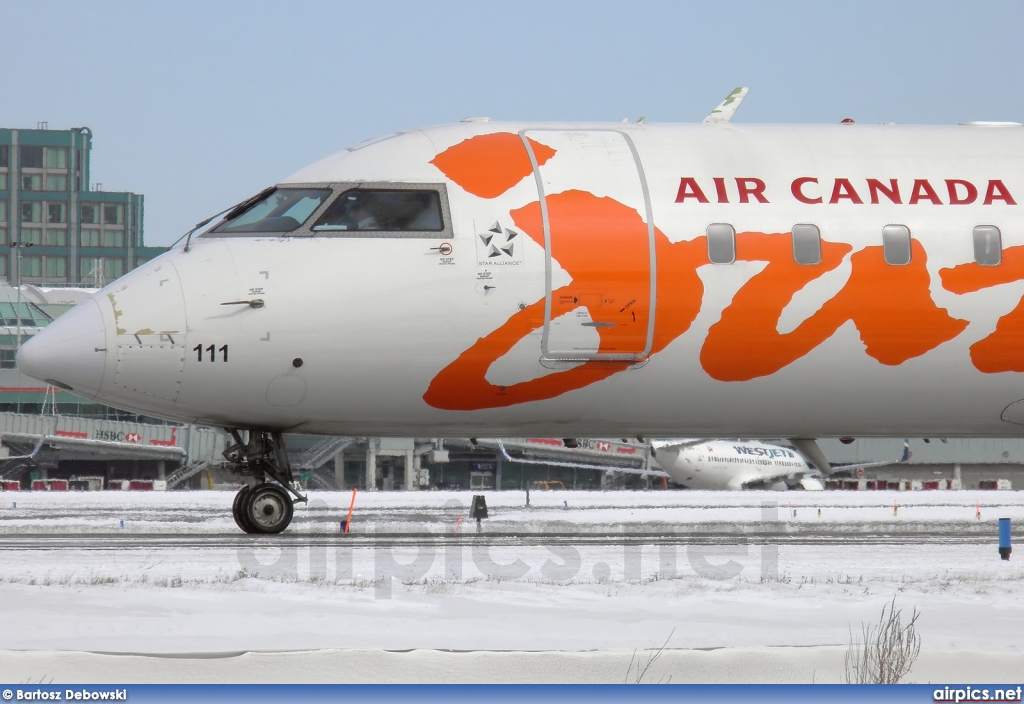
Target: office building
55 228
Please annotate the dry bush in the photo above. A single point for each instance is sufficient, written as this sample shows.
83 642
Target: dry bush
885 651
636 673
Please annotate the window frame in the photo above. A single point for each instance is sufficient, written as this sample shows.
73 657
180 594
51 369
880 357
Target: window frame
49 151
55 259
50 232
94 206
62 209
245 222
338 188
32 235
806 227
720 234
23 149
37 207
365 189
118 209
30 260
108 234
889 233
113 263
49 188
84 231
980 230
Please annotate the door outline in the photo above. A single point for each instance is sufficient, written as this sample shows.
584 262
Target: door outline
546 354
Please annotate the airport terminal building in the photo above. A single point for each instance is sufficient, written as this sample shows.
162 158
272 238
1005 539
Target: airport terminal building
62 229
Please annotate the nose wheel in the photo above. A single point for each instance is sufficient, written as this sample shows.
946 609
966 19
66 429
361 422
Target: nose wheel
268 508
265 508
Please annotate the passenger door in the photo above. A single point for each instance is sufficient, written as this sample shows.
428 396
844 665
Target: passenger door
598 229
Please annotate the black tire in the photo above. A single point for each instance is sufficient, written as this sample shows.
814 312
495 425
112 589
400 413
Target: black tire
267 508
237 511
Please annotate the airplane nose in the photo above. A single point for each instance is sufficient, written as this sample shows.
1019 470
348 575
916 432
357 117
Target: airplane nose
70 352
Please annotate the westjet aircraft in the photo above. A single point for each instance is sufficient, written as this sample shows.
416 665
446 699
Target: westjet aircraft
492 279
735 464
751 464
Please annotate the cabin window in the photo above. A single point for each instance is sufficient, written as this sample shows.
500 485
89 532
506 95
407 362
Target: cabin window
988 245
721 243
380 210
896 244
282 210
806 244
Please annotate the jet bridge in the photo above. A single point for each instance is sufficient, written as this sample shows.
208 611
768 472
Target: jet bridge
44 443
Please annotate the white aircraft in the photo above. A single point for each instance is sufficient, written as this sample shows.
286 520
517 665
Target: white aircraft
751 464
735 464
488 279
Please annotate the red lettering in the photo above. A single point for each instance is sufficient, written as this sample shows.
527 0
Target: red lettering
723 197
751 187
892 192
924 191
953 184
688 188
997 191
844 189
798 192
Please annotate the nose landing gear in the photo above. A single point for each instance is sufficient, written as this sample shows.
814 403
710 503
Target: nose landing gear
266 505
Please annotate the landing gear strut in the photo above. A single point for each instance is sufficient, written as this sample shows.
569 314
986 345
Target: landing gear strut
266 504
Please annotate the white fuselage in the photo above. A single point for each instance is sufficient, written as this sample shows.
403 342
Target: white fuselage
571 292
736 464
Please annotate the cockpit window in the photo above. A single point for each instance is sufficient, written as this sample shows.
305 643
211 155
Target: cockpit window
366 210
283 210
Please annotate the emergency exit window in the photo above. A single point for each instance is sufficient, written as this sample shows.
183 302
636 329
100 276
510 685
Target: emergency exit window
988 245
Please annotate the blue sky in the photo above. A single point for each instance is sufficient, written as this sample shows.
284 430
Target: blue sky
197 104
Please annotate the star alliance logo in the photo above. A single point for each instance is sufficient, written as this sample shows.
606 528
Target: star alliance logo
499 246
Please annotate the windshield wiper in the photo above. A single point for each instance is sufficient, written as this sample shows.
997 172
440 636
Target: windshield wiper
245 204
232 212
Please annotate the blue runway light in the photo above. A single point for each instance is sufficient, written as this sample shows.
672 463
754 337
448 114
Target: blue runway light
1004 539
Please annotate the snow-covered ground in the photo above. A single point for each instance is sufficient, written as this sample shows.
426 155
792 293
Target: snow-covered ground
563 511
789 605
